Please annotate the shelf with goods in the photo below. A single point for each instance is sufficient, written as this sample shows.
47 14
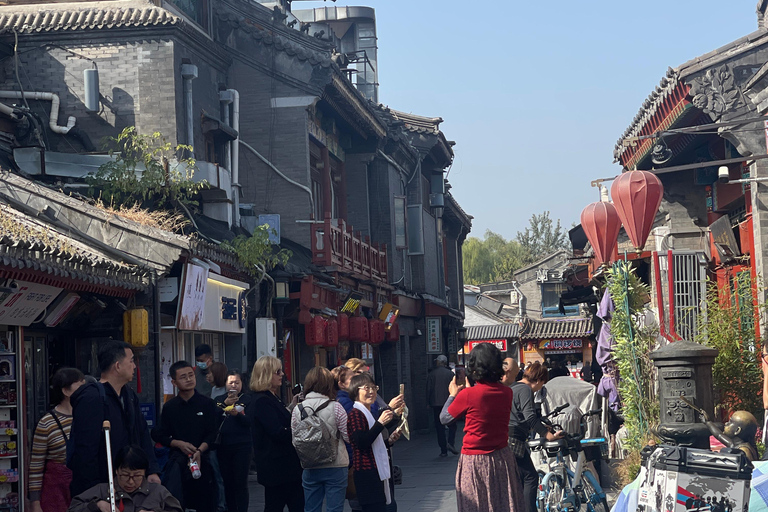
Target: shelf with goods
10 481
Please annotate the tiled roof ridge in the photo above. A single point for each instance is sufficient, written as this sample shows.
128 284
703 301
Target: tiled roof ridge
648 109
280 43
413 122
34 18
556 328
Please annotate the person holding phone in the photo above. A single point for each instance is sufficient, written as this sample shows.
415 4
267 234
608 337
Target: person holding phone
235 443
437 393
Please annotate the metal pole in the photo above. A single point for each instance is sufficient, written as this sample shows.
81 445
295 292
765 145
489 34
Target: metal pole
158 350
108 442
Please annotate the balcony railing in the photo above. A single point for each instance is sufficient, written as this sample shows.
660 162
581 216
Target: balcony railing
335 245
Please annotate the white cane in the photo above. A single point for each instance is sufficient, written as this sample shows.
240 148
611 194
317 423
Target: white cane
106 427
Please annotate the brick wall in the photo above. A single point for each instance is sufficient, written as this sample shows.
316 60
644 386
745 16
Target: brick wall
136 76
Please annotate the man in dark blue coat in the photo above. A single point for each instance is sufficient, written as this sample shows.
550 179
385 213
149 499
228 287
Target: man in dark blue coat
111 399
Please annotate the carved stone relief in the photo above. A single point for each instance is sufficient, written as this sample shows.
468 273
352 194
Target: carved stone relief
716 91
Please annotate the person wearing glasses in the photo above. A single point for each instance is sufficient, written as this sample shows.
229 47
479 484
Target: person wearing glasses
133 492
277 464
370 446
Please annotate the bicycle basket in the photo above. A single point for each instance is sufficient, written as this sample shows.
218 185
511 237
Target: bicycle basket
595 448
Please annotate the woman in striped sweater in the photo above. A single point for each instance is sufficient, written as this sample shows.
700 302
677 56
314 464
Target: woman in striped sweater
49 476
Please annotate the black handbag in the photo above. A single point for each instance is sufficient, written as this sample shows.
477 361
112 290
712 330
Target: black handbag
397 475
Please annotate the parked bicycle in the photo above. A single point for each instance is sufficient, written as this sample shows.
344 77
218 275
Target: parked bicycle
563 490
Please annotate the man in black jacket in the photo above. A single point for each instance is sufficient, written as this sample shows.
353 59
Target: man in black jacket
111 399
188 426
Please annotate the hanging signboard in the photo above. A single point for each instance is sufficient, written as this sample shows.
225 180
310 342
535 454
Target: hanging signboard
560 345
500 344
22 302
434 336
192 303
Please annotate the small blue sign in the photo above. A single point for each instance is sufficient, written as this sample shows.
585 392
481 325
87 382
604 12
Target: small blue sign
148 411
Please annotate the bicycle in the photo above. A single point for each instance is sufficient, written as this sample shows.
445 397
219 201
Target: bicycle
563 490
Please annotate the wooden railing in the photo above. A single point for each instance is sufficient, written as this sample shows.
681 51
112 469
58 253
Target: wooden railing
335 244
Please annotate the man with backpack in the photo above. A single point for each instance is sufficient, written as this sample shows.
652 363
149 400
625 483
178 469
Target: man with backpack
109 399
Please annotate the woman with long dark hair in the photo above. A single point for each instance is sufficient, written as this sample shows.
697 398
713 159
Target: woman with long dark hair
49 476
487 477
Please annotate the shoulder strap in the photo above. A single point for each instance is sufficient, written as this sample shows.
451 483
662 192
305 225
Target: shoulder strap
303 410
58 422
323 406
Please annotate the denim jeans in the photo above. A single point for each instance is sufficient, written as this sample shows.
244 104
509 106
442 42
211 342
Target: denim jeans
328 483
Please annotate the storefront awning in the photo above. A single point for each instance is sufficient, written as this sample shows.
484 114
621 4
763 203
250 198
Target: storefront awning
548 329
37 252
492 332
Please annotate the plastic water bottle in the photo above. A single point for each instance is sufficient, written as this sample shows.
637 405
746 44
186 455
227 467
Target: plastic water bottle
194 467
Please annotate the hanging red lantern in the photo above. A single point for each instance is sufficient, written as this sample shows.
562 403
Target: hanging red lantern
314 333
377 329
393 334
601 224
358 329
343 327
637 197
331 334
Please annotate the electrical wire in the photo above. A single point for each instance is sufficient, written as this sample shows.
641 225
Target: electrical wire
16 66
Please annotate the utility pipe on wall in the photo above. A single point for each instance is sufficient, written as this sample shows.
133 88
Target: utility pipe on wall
53 118
236 156
189 73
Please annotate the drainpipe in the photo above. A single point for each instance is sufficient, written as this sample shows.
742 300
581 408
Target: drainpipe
156 340
236 157
225 98
189 73
53 122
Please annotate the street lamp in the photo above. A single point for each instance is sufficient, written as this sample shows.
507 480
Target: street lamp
282 287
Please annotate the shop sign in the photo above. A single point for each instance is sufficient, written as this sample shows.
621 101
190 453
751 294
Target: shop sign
148 411
560 345
21 302
192 303
224 301
434 338
366 351
499 344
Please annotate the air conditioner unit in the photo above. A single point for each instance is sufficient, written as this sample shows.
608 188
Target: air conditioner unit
266 337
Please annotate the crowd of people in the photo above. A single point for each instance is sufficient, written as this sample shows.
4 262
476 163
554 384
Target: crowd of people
329 445
496 401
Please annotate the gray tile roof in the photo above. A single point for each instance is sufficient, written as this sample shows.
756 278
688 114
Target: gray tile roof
83 15
493 332
414 123
26 243
547 329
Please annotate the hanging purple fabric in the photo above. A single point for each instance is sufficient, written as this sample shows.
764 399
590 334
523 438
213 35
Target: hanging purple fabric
608 386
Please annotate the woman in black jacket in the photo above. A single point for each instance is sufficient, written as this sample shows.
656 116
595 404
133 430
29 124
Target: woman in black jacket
277 464
235 444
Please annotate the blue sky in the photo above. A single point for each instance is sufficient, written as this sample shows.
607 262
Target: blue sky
535 93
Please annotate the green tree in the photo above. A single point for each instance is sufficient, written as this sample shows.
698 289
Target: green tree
543 236
141 173
492 259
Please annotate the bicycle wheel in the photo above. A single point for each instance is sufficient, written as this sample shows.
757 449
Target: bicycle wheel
553 495
591 494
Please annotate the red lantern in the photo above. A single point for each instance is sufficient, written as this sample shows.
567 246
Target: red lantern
358 329
601 224
343 327
393 334
637 197
314 333
377 328
331 334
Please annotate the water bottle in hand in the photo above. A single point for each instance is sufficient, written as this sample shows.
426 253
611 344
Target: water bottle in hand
194 467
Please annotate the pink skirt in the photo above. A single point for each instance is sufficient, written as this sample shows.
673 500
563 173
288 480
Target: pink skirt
489 483
54 496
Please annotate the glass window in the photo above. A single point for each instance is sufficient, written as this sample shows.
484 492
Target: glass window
550 301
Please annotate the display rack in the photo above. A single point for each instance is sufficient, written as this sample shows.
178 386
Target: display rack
10 491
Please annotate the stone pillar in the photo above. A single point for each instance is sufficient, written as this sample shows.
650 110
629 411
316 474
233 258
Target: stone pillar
684 370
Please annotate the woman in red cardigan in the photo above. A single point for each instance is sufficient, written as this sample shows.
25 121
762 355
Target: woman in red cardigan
487 478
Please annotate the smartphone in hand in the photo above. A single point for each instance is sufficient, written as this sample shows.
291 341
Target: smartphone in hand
461 376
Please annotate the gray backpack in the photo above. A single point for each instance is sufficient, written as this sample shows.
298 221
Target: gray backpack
314 443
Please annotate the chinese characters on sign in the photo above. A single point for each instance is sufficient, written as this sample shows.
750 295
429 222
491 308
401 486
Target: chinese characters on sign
561 344
24 302
192 303
434 338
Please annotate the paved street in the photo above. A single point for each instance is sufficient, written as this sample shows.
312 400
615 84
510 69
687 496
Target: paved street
428 480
